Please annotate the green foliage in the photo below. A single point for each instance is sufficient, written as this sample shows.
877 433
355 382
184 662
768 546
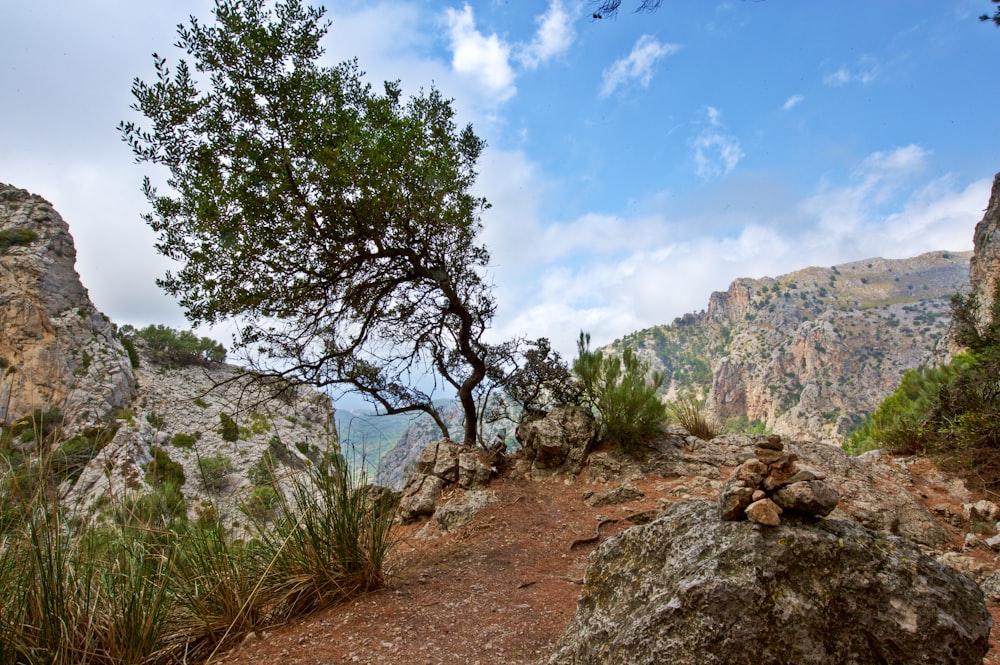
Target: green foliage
215 470
71 456
950 412
542 380
623 393
996 15
200 403
228 428
14 237
155 420
261 502
743 425
182 440
162 470
176 348
262 471
336 221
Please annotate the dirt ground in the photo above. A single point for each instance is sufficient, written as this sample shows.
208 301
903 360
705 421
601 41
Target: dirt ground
499 591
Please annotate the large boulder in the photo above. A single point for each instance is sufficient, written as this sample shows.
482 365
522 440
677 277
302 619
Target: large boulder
440 464
558 442
690 589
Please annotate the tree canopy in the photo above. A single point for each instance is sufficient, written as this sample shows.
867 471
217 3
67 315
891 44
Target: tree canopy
334 223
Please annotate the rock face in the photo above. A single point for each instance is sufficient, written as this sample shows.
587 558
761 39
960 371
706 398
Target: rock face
690 589
809 353
558 442
180 412
56 349
439 465
984 268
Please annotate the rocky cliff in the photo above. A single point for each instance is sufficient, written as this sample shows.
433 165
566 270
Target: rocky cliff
984 269
56 349
809 353
226 432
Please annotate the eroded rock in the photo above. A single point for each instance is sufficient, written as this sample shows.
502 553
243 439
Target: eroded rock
689 589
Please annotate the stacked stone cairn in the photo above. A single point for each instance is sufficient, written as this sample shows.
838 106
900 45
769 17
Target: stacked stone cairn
773 483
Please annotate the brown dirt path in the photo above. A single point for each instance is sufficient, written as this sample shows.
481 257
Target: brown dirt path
499 591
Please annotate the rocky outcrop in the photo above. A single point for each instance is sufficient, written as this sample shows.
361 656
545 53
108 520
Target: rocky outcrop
56 349
439 465
556 443
984 268
180 411
808 354
690 589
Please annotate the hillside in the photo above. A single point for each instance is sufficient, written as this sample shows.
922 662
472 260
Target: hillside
809 353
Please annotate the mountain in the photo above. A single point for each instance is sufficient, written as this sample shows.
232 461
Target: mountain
809 353
122 422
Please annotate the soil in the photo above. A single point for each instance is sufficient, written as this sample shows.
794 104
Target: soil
499 591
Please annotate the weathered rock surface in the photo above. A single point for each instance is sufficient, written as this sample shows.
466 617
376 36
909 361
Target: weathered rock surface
984 268
690 589
439 465
556 443
179 410
811 352
56 349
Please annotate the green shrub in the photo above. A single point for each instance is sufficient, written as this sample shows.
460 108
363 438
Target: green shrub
622 391
228 429
162 469
71 456
155 420
261 502
215 470
171 348
182 440
13 237
200 403
262 471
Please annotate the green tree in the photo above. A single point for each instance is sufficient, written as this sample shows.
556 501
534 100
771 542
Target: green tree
335 224
996 14
622 391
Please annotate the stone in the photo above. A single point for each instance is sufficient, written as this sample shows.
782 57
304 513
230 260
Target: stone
768 456
981 511
558 442
751 472
815 497
764 511
688 589
419 495
623 493
472 472
772 442
459 511
734 500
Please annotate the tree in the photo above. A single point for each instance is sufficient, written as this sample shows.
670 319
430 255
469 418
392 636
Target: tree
996 14
608 8
335 224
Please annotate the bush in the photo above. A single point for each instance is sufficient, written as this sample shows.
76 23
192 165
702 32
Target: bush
623 393
215 470
13 237
162 470
171 348
228 429
691 414
182 440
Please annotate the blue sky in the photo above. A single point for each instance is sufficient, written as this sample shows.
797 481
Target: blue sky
635 164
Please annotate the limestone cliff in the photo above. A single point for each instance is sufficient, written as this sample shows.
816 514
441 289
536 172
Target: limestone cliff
56 349
984 268
809 353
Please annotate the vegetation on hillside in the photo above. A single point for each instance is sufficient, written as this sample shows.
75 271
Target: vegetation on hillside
951 412
171 348
139 583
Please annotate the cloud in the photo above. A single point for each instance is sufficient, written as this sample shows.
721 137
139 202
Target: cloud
865 71
637 65
716 152
554 36
792 102
613 274
485 60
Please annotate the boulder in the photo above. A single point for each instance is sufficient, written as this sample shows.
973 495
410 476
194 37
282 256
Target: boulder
623 493
690 589
440 464
558 442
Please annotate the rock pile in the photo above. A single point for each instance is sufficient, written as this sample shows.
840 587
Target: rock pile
440 464
772 482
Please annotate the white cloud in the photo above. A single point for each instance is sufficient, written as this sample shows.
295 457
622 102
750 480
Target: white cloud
612 274
716 152
554 36
792 102
865 71
636 66
485 60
